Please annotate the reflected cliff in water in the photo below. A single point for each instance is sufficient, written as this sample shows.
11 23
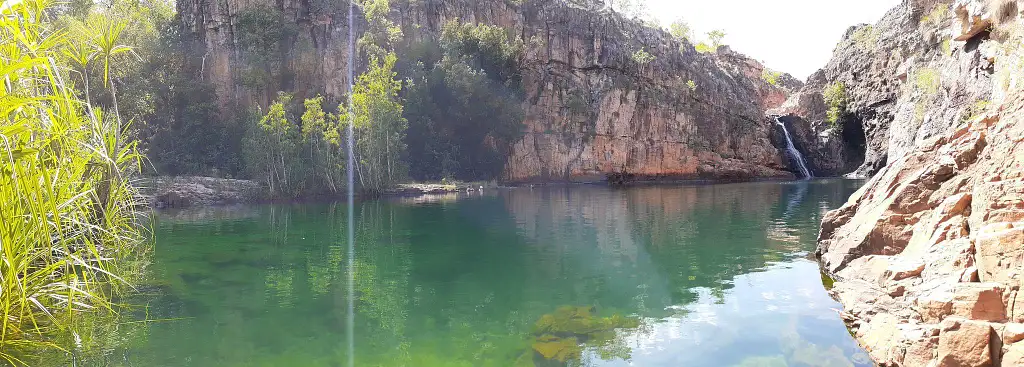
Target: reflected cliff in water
711 275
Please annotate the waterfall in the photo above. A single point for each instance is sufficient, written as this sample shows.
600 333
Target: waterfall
799 158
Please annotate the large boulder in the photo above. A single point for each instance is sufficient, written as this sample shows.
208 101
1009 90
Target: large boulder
965 343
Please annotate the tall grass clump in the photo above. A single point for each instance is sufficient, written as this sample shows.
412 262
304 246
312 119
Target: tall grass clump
69 228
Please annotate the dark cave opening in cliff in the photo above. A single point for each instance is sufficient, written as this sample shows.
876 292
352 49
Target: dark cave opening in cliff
854 140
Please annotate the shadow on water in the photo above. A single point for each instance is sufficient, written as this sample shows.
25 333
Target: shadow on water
711 275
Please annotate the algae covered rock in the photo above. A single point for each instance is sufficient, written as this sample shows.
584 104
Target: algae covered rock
580 321
562 335
559 349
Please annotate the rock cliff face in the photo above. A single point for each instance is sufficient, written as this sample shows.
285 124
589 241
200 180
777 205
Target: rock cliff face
643 119
929 254
906 80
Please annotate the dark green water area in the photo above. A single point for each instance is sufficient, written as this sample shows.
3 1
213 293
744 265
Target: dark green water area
709 275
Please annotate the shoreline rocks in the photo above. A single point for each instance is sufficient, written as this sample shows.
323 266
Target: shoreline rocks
191 191
928 256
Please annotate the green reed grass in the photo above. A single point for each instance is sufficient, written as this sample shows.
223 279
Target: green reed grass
68 211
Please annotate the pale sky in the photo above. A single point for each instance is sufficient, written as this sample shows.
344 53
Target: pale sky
793 36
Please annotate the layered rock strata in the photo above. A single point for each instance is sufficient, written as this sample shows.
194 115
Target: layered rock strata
928 256
679 114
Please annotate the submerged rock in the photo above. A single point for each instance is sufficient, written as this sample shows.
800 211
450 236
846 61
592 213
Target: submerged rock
561 336
557 349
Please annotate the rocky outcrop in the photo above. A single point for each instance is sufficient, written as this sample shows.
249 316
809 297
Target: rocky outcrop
928 256
907 79
682 114
189 191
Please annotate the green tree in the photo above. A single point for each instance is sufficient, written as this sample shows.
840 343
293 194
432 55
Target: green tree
381 33
716 37
271 149
463 102
185 131
322 138
836 100
379 126
681 31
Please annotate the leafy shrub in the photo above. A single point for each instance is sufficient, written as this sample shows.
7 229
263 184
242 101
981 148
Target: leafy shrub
704 48
642 57
938 15
771 76
976 109
836 100
927 81
716 37
681 32
486 47
866 37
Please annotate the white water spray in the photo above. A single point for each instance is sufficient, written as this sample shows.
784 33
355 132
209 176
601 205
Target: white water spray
793 152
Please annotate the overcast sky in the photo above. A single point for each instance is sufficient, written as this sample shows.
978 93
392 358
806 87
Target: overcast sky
794 36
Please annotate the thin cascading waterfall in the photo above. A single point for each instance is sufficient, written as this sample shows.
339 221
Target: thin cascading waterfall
351 320
793 152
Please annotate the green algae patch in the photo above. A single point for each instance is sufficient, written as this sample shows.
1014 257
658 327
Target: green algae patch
558 349
562 335
580 321
827 281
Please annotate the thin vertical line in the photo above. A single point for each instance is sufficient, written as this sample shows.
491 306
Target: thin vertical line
350 323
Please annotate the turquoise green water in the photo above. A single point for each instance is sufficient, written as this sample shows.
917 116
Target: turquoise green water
714 275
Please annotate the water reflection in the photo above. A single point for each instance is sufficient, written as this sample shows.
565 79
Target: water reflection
697 276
